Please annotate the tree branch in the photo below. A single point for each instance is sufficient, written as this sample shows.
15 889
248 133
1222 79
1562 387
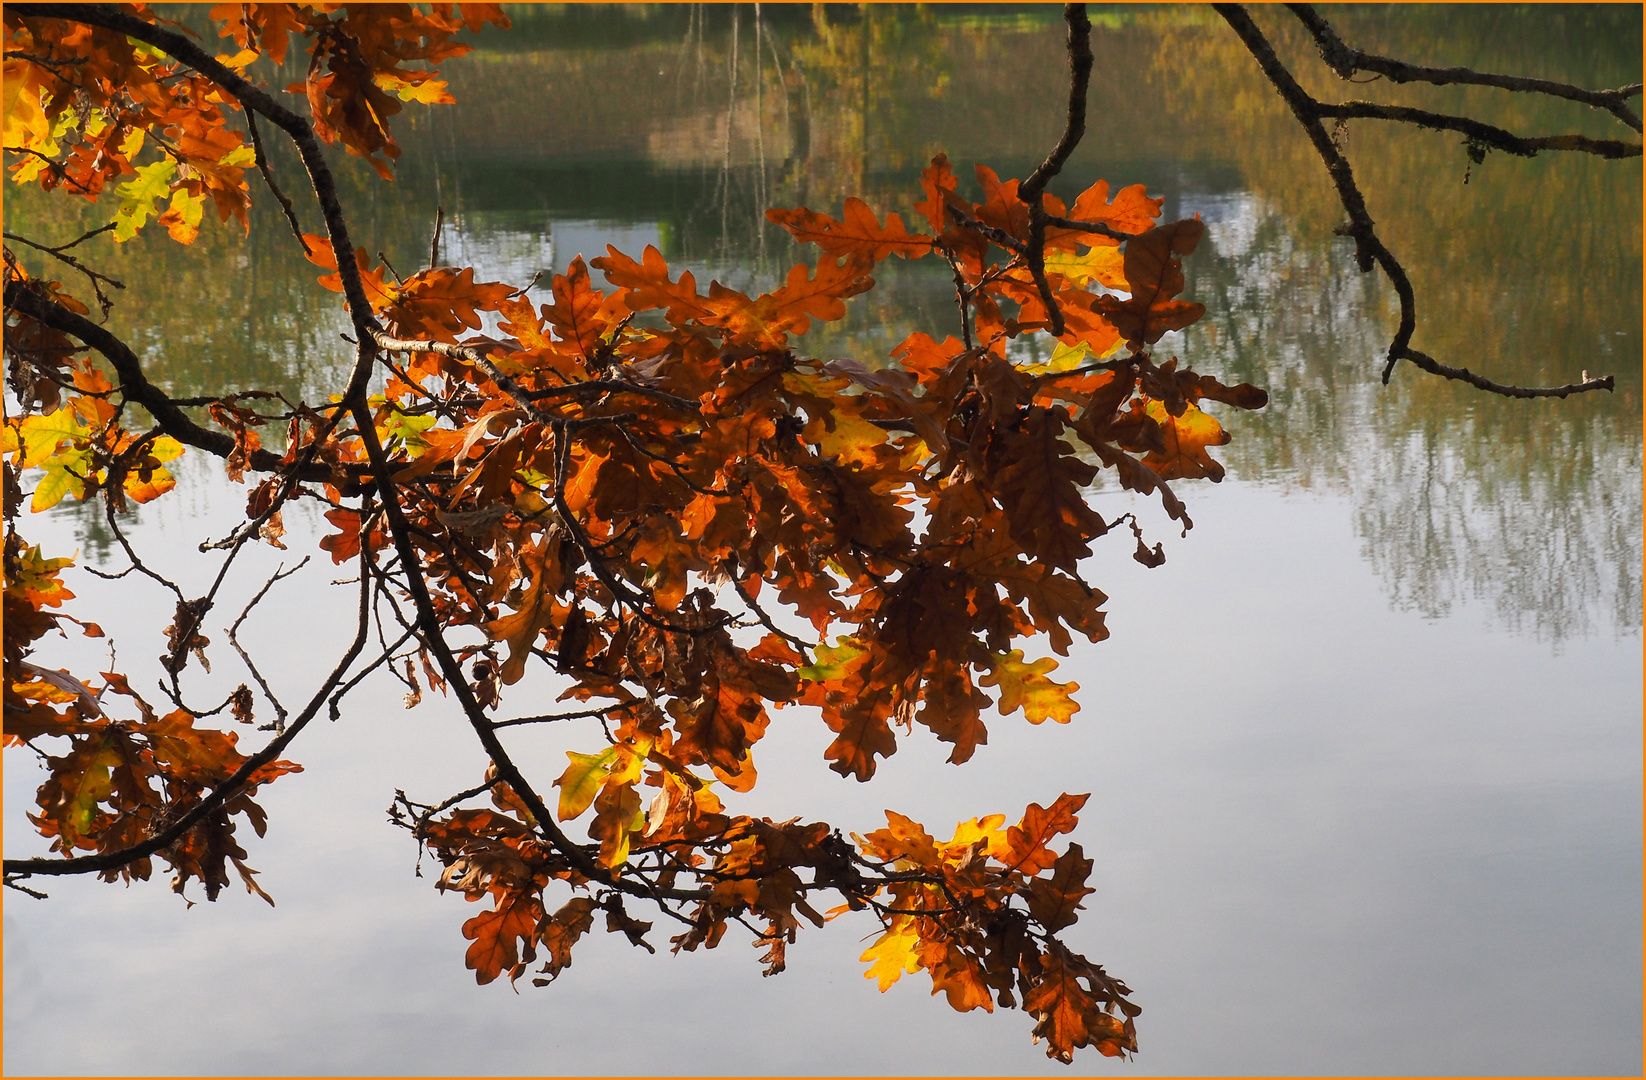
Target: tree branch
1481 133
1369 249
1348 62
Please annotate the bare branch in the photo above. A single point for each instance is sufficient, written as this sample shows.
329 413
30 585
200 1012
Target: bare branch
1369 249
1480 133
60 254
549 718
1080 73
1348 62
280 572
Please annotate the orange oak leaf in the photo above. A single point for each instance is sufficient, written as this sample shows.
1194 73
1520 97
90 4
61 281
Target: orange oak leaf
499 933
1060 1006
858 231
1026 850
560 931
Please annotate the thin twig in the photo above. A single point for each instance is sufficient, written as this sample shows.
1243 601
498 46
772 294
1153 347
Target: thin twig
1479 133
97 279
220 794
279 573
268 179
549 718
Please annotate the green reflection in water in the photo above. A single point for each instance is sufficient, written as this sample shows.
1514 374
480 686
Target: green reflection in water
679 125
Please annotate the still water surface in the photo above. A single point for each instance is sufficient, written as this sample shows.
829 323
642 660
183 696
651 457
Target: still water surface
1364 753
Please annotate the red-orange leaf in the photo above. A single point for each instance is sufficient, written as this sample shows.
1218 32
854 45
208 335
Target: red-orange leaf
1060 1006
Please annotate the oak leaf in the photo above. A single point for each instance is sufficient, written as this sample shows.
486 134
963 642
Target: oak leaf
1060 1006
858 231
1154 271
1025 686
497 935
1053 899
893 953
1186 438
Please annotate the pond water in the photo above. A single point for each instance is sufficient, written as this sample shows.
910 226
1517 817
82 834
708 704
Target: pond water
1365 752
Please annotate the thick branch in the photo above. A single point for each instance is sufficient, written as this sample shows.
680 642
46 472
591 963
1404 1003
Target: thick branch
301 133
1074 127
431 633
1032 190
136 386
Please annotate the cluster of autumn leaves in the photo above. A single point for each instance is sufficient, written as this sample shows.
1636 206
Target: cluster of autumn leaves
651 493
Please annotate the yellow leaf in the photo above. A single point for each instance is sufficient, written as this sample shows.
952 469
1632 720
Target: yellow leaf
1026 686
582 780
95 785
182 217
896 952
56 483
427 92
970 832
139 195
42 435
164 448
239 60
1104 264
1068 357
631 759
619 815
851 440
403 431
26 122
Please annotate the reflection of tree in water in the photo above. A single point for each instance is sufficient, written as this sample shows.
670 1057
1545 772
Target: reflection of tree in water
796 111
1531 272
1550 540
1533 512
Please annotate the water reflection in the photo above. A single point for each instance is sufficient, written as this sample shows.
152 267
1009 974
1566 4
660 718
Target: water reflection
677 126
